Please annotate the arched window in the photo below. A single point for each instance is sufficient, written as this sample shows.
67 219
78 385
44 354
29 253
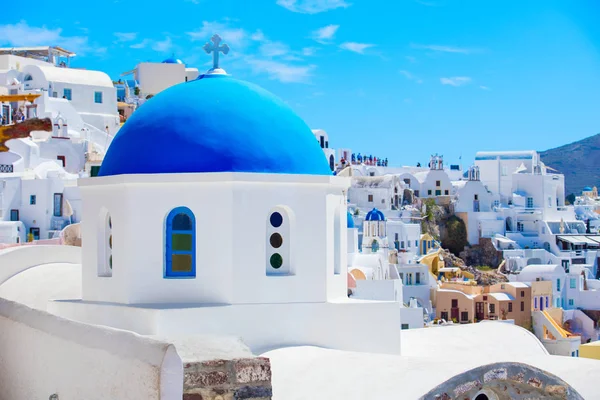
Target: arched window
278 257
105 244
374 246
27 78
331 162
180 249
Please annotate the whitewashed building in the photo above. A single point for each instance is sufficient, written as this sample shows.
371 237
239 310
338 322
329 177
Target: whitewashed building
154 77
248 231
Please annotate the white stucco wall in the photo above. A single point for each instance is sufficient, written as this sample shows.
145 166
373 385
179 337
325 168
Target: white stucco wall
156 77
413 317
231 243
344 325
41 355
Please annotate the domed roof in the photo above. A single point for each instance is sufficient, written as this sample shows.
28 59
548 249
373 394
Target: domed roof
172 60
375 215
214 124
349 220
587 189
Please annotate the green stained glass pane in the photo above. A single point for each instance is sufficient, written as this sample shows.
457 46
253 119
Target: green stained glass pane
182 242
181 262
276 261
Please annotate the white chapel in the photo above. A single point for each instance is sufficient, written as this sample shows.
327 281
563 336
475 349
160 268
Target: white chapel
204 219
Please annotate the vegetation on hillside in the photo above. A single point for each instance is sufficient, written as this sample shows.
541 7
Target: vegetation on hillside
455 237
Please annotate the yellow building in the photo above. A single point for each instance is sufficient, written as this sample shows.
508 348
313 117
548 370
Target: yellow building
590 350
427 243
433 260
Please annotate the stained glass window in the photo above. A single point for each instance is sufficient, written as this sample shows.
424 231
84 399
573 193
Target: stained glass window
180 252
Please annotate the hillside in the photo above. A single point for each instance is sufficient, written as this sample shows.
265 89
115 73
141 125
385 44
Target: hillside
578 161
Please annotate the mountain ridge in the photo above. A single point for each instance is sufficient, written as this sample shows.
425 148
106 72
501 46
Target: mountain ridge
579 162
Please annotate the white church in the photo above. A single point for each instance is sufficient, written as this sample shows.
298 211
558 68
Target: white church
225 231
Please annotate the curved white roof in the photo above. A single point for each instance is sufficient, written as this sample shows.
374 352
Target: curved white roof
531 272
430 356
35 286
74 76
501 296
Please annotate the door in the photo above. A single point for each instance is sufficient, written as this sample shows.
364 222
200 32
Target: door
14 215
479 314
58 202
454 310
35 232
62 160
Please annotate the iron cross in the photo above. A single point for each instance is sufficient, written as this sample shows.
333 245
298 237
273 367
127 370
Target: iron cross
215 48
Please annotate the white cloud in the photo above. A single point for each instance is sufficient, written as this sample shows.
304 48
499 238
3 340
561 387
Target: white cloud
234 37
312 6
309 51
259 36
283 72
444 49
21 34
163 46
125 36
484 88
356 47
455 81
410 76
411 59
325 33
256 52
274 49
144 43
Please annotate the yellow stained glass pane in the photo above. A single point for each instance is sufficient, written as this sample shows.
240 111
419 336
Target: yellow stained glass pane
182 242
181 262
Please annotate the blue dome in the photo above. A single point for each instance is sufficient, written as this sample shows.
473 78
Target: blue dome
172 60
214 124
587 189
350 220
375 215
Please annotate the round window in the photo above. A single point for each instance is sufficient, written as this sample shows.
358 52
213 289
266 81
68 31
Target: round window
276 261
276 240
276 220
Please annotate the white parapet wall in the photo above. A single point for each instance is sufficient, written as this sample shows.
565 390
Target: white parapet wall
42 355
15 260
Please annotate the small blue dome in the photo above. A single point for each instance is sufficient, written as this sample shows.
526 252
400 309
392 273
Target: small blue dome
172 60
375 215
587 189
214 124
350 220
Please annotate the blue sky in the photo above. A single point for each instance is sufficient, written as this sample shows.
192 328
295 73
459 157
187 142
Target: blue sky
395 78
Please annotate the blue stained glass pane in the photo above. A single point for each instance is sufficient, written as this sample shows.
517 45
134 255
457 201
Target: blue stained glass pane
182 222
276 220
